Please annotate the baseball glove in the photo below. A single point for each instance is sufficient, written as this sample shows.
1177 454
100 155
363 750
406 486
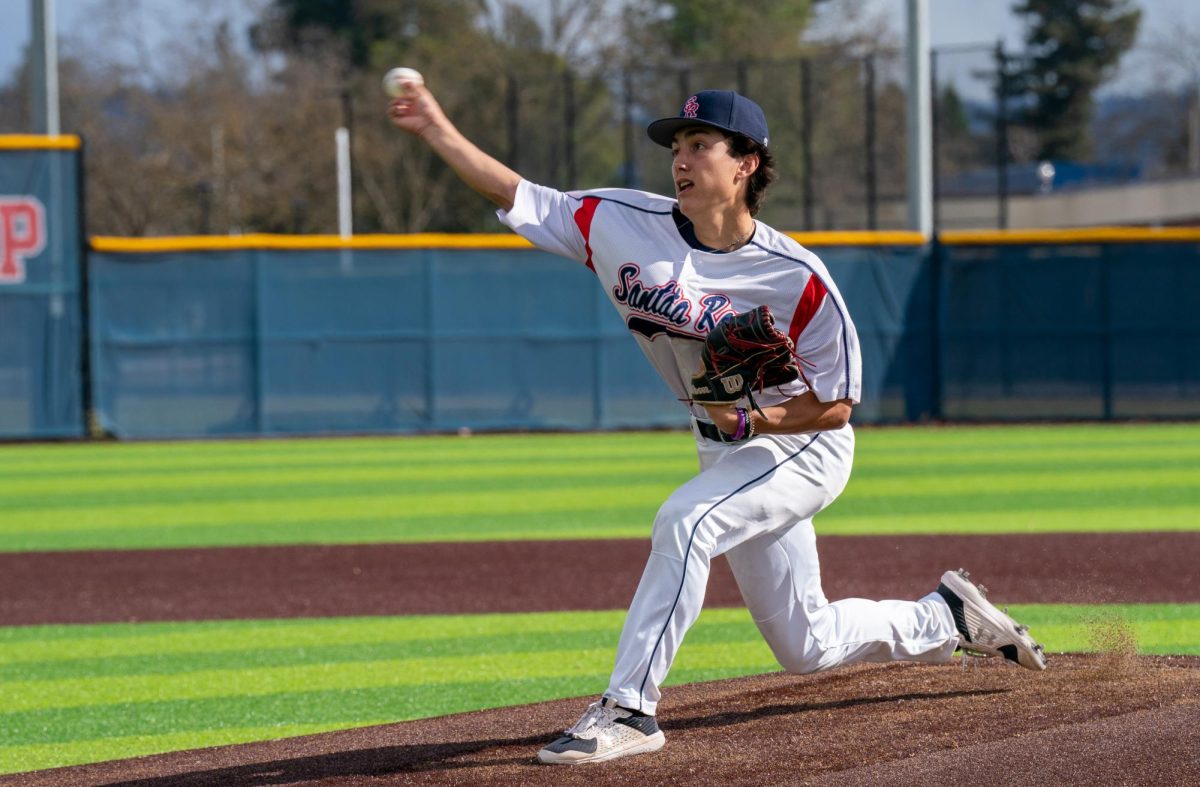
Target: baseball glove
744 353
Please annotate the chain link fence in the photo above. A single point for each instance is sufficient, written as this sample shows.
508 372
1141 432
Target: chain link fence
838 132
836 125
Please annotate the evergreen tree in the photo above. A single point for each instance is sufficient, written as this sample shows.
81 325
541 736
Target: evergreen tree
1073 47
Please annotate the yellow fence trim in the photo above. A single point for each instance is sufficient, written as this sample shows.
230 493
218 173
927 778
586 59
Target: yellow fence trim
307 242
183 243
1062 236
428 241
39 142
894 238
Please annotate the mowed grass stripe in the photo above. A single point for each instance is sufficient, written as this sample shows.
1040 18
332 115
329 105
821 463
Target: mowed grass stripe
397 506
60 721
562 496
639 500
904 445
31 460
557 514
610 522
335 483
1020 437
681 460
969 480
899 447
53 495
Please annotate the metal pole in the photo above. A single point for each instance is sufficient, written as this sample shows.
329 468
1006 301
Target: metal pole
1106 339
1194 130
91 426
920 136
1001 136
872 172
630 164
935 143
347 100
937 268
514 123
569 122
806 141
44 68
345 213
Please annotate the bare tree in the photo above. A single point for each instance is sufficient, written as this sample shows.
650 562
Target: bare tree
1176 54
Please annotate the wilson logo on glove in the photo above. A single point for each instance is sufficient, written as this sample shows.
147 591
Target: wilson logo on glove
745 352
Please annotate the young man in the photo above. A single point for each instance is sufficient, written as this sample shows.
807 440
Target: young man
674 268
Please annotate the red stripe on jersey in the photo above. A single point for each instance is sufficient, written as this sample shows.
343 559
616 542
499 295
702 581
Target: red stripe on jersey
583 219
810 301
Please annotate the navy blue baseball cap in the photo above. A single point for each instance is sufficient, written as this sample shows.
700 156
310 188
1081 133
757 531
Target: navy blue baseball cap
723 109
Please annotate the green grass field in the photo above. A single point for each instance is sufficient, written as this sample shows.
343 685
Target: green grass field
73 694
945 480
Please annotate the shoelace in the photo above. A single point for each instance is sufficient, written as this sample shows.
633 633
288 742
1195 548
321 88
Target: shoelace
595 716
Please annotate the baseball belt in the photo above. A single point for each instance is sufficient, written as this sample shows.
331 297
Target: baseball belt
712 432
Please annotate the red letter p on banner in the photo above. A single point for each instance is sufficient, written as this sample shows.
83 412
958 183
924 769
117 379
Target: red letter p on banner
22 235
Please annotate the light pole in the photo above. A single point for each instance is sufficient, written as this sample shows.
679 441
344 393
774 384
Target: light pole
920 131
44 51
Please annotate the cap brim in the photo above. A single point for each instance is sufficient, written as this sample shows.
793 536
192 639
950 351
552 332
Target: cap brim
663 131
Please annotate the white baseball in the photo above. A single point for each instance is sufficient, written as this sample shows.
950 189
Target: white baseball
393 81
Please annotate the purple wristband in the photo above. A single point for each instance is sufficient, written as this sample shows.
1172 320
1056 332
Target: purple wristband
740 434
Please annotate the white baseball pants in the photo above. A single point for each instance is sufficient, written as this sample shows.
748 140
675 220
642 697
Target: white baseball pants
755 502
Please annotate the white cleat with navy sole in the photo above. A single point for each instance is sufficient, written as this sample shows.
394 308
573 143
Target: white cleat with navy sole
606 731
985 630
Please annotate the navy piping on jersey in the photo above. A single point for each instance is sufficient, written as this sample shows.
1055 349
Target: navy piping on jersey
688 553
618 202
682 223
838 306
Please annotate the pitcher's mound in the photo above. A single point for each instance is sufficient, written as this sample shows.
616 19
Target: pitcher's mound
1096 719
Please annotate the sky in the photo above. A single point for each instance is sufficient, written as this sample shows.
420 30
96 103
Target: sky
952 23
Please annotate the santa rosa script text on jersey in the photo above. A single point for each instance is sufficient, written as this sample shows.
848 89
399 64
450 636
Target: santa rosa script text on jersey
666 301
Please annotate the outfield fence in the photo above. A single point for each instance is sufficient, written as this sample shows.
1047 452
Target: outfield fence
269 334
42 375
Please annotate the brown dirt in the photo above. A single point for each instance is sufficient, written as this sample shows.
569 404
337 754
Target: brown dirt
533 576
1108 718
895 724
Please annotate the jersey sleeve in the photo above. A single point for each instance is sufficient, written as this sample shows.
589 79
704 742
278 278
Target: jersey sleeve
549 219
827 347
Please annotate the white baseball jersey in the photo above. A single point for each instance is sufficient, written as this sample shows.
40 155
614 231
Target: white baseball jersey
671 290
753 500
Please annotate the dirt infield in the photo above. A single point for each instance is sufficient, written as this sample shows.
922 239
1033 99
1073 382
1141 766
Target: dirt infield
535 576
1109 719
1112 718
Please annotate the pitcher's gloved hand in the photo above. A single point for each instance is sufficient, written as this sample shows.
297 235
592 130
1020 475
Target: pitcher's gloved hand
744 353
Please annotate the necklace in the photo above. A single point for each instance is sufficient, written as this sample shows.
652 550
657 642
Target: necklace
738 241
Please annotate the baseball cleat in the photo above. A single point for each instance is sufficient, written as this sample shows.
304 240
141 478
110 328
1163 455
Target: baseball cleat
604 732
985 630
